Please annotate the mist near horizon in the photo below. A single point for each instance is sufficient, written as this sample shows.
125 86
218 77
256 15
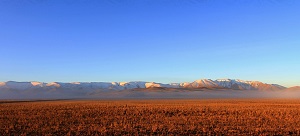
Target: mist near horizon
151 94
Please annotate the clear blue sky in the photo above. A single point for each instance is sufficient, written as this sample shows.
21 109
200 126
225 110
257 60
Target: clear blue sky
150 40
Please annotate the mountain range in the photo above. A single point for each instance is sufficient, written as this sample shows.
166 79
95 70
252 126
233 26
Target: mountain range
232 84
203 88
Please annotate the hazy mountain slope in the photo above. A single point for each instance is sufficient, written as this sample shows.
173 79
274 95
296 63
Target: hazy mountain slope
295 88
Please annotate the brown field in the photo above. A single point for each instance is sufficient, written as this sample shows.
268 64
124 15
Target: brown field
151 117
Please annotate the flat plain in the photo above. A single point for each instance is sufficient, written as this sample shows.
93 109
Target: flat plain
151 117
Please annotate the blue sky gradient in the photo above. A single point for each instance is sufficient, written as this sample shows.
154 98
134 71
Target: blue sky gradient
150 40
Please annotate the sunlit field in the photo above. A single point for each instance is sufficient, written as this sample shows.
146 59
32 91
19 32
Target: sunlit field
151 117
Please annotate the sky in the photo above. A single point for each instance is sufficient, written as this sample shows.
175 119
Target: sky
164 41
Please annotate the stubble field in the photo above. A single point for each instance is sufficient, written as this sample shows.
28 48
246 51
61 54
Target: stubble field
151 117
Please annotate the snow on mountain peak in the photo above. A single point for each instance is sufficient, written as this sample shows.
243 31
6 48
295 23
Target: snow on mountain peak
55 84
224 80
123 83
152 84
37 83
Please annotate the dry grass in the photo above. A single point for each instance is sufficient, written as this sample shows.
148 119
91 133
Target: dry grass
151 117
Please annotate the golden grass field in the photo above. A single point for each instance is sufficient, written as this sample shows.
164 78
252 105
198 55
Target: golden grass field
151 117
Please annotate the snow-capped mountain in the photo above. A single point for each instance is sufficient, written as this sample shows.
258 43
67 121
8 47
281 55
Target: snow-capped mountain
110 86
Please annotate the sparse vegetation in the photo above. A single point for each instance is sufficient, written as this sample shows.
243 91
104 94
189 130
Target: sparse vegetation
151 117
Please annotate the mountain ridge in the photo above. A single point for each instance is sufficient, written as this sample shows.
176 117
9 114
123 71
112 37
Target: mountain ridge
234 84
